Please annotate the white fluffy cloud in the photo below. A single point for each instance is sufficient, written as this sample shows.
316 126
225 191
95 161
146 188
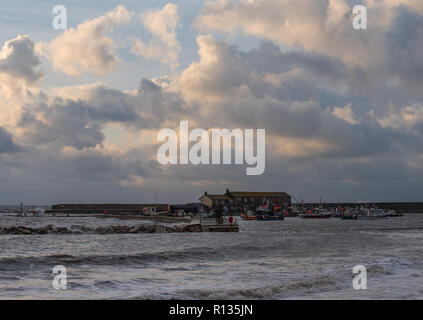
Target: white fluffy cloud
19 78
164 45
345 113
88 47
18 62
215 75
324 26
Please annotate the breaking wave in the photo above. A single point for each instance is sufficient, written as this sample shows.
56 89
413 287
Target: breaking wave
197 254
318 284
188 255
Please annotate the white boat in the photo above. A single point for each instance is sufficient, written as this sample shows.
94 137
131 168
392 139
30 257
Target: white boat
373 214
316 213
393 213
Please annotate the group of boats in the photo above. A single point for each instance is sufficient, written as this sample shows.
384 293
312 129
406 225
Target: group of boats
364 213
263 214
358 213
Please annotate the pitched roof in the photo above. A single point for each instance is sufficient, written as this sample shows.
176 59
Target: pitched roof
216 196
258 194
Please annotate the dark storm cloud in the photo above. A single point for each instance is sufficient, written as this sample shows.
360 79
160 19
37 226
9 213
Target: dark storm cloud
79 123
68 125
269 58
404 46
110 105
7 145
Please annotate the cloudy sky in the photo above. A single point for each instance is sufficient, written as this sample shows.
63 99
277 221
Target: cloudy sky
81 108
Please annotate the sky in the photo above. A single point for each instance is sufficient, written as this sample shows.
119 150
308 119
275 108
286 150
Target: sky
81 107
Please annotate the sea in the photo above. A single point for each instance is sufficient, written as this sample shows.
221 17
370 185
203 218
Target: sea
291 259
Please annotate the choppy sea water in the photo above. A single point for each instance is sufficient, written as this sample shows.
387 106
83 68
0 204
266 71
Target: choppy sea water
293 259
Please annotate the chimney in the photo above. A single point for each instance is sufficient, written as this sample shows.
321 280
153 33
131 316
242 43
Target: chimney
205 193
227 190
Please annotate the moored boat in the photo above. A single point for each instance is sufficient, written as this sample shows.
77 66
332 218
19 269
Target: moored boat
393 213
373 214
263 214
317 213
270 217
248 218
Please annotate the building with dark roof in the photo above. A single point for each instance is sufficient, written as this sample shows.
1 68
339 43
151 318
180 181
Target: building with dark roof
253 200
215 200
246 200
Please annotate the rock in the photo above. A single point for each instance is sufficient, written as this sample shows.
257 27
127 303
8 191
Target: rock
108 230
171 229
43 231
61 230
24 230
179 228
192 228
161 229
186 228
137 229
99 230
196 229
150 229
125 229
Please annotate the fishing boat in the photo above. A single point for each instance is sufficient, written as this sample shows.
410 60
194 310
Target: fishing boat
248 218
393 213
317 213
373 214
263 214
351 213
293 212
270 217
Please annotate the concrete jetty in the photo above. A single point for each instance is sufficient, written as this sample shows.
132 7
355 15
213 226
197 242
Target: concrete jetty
220 228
